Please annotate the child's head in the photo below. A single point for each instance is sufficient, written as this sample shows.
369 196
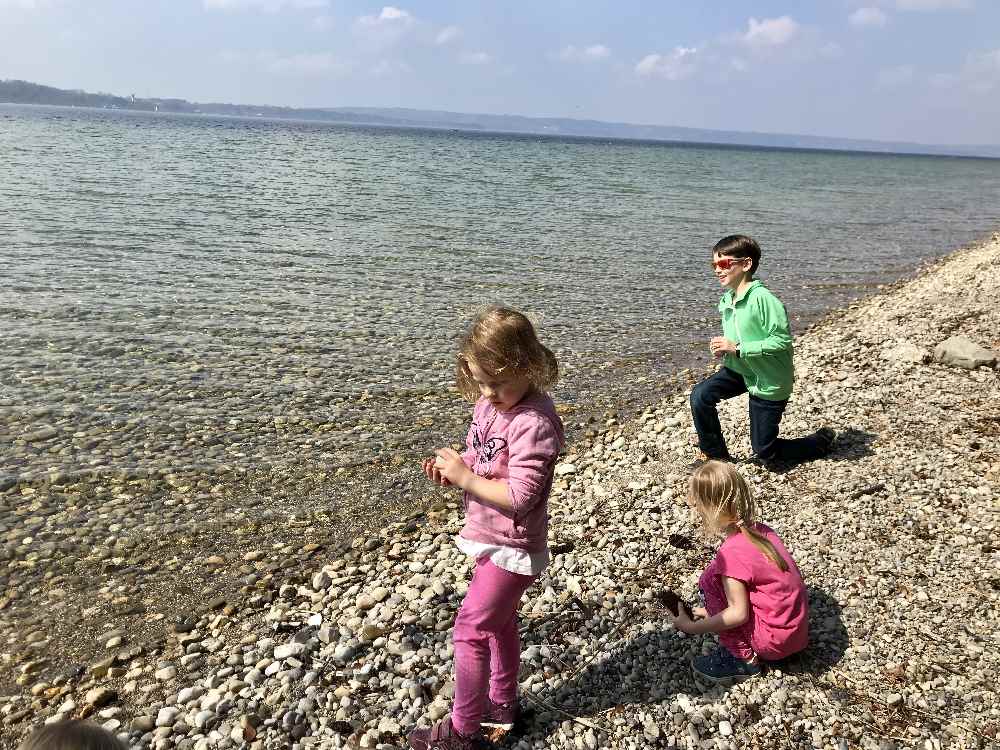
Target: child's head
725 503
735 257
71 735
502 359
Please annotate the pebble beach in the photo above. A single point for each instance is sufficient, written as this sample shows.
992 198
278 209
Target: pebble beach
216 618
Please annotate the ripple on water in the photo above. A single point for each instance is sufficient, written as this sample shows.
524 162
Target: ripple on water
185 291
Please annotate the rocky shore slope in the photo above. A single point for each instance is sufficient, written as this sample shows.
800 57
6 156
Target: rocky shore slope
896 534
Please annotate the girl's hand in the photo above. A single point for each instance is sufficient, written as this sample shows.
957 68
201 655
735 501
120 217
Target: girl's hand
681 621
433 472
451 467
699 612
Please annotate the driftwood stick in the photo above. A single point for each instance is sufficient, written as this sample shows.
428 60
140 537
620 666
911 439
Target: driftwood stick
546 705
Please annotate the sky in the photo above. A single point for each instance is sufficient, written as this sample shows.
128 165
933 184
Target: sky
902 70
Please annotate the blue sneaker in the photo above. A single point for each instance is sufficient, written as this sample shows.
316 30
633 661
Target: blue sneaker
721 667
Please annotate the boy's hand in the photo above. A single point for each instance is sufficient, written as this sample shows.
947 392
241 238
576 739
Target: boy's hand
449 463
721 346
433 472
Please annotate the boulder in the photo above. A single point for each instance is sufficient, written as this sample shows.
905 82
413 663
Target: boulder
906 352
959 351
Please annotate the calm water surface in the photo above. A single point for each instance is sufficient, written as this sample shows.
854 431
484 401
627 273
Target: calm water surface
202 292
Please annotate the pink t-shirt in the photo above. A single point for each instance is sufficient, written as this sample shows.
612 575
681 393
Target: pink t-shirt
779 605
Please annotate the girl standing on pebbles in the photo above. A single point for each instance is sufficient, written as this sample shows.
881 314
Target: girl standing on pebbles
754 596
506 473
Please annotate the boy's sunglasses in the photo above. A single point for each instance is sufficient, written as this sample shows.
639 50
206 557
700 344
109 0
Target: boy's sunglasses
724 264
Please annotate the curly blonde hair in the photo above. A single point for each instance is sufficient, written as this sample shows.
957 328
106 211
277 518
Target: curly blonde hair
503 341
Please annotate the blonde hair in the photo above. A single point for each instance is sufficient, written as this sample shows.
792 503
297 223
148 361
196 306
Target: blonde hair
503 341
725 502
72 735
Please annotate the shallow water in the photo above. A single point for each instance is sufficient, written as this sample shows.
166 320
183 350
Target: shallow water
195 292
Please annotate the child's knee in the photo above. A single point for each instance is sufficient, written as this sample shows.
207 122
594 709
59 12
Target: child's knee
699 397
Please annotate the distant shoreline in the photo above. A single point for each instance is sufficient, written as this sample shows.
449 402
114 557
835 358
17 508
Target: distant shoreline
25 93
473 131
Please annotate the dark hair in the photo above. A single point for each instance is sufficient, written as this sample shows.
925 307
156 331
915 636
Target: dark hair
739 246
501 341
72 735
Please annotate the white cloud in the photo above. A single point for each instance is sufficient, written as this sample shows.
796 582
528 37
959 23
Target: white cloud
831 50
385 29
390 15
25 4
592 53
270 6
674 66
896 76
979 75
868 17
318 63
771 32
231 57
932 5
447 35
981 72
944 80
391 68
476 58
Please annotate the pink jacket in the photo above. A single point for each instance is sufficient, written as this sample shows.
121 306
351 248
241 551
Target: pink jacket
521 447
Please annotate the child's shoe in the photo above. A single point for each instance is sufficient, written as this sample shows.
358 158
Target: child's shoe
826 439
443 736
722 667
502 715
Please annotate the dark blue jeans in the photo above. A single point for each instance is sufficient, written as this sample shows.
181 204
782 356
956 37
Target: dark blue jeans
765 416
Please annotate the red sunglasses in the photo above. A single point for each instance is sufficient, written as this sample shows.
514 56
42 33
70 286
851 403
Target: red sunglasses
724 264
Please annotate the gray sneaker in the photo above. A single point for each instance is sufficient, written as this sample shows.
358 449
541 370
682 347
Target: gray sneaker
721 667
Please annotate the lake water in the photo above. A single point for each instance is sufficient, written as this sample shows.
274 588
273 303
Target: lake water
198 292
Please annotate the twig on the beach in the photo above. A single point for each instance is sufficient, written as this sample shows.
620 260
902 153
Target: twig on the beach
879 731
549 707
943 668
597 651
869 490
788 735
541 619
943 721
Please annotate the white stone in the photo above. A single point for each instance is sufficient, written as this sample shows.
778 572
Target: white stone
959 351
289 649
166 716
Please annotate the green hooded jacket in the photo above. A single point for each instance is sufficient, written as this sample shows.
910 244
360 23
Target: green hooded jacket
757 322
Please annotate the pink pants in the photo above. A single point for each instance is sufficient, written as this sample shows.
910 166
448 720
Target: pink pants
487 645
739 641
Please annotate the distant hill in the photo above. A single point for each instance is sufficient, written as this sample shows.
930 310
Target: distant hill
23 92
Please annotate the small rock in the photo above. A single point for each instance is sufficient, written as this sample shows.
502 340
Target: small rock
100 697
167 716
